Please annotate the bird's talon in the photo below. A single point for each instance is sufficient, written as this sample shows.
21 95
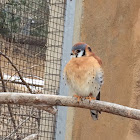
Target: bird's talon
78 97
90 98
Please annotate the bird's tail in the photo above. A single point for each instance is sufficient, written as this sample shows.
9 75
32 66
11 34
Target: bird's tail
94 114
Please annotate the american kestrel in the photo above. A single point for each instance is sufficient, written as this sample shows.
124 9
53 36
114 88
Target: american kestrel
84 74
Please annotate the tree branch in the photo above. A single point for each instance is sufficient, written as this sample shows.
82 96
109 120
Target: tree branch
55 100
49 108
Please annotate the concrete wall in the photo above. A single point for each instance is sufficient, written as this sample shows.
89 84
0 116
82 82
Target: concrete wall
112 29
76 38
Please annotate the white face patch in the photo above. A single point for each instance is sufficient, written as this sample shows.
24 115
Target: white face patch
80 54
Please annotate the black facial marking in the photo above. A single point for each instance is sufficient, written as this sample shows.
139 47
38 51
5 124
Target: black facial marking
89 49
84 53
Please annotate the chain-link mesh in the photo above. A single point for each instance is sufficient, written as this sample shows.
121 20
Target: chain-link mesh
31 37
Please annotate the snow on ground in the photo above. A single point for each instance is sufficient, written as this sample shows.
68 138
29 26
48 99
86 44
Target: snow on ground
27 80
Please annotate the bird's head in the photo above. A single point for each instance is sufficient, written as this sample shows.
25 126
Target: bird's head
81 49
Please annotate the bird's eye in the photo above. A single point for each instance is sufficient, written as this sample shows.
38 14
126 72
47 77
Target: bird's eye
71 54
77 51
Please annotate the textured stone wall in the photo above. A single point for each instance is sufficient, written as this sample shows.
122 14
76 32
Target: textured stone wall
112 29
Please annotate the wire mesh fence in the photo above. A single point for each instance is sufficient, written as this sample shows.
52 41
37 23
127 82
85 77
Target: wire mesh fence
31 38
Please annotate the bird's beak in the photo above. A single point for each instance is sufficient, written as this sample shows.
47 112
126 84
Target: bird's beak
72 55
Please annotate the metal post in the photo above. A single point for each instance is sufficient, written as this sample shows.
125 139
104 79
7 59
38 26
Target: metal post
67 45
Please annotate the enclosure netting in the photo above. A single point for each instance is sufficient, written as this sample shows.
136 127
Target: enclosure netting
31 38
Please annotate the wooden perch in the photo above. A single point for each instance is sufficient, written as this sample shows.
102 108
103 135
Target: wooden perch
50 109
56 100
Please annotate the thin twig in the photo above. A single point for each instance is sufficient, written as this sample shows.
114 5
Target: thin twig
9 107
22 70
38 120
19 126
24 82
56 100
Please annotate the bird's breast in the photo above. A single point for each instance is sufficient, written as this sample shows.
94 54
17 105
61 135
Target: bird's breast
83 76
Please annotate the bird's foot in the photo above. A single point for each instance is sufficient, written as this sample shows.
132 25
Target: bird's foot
90 98
78 97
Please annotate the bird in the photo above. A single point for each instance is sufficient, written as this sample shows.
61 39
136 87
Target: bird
84 74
